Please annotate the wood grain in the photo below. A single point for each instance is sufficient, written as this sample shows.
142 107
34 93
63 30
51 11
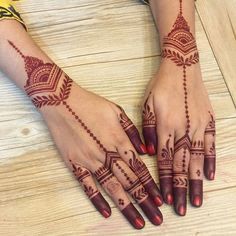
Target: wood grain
93 41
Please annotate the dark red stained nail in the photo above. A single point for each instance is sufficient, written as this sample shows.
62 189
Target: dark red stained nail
158 220
133 216
158 201
143 148
139 223
182 211
197 201
151 149
105 213
169 199
212 176
151 211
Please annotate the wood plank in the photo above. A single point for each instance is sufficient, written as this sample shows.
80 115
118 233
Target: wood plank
221 33
64 217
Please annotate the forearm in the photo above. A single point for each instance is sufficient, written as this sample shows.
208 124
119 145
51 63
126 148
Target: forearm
165 13
12 62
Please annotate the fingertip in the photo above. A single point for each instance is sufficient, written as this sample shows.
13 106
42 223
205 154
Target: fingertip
151 150
196 201
169 199
106 213
181 210
143 149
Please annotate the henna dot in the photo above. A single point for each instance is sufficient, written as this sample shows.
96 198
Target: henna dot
126 153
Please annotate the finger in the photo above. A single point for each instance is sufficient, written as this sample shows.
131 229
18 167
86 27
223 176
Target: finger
210 152
132 185
149 127
131 158
132 132
165 155
114 189
85 178
180 173
196 171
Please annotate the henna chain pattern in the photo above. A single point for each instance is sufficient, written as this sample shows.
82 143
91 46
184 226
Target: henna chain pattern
49 79
180 47
166 161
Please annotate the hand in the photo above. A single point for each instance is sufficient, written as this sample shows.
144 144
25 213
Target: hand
179 124
94 137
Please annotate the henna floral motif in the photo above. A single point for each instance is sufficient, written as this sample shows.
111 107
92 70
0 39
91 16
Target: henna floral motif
149 119
81 174
149 127
166 161
131 131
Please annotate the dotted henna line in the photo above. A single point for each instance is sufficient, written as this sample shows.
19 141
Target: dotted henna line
84 126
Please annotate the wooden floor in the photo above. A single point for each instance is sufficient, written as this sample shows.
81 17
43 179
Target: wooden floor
110 47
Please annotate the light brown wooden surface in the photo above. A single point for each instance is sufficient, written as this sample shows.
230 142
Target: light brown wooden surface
110 47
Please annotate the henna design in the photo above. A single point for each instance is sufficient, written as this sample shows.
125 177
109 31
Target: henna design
210 153
47 85
81 174
210 130
149 119
166 161
149 127
131 131
121 202
180 47
198 173
45 78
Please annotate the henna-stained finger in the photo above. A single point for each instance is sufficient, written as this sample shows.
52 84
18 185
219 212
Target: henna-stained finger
115 190
85 178
133 186
149 127
182 148
210 152
196 171
132 132
165 155
135 163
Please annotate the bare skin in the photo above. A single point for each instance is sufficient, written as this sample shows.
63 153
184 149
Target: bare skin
95 137
178 119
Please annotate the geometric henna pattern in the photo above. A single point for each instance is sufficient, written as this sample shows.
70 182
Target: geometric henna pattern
139 168
210 130
149 119
56 86
149 127
81 174
44 78
180 47
131 131
165 161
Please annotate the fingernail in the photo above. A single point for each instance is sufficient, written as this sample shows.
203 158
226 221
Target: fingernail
158 201
197 201
151 149
182 210
143 148
212 175
139 223
157 220
169 199
105 213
